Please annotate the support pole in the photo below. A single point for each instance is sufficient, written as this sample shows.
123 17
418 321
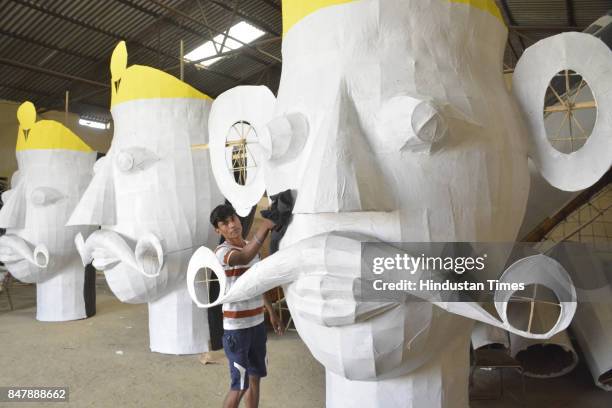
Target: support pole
182 55
66 108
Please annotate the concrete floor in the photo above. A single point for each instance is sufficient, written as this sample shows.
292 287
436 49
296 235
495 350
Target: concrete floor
83 355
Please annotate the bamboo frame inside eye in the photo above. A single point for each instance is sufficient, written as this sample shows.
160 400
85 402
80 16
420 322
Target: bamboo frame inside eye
206 146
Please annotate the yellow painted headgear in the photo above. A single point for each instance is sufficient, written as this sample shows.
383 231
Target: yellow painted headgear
296 10
44 134
140 82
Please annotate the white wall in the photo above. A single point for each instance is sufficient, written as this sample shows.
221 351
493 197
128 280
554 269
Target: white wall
98 140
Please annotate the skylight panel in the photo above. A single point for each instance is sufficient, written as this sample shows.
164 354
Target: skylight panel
241 31
94 123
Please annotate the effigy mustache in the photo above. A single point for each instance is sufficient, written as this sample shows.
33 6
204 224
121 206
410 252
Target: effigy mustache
328 281
15 249
105 249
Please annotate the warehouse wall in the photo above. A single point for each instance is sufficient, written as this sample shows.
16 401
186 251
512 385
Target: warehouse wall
98 139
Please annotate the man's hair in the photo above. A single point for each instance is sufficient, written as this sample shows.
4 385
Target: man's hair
221 213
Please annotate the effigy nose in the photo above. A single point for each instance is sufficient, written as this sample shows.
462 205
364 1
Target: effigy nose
97 206
345 175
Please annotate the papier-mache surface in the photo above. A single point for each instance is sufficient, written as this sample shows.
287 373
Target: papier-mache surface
296 10
539 357
142 82
152 195
592 326
590 58
50 135
55 166
329 259
44 134
240 113
351 161
412 137
593 330
484 335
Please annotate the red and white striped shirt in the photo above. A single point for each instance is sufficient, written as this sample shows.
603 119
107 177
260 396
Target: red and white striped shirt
245 314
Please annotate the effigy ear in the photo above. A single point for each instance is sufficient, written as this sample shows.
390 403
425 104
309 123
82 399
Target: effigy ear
589 57
237 121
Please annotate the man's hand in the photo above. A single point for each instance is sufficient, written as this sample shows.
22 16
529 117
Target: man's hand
277 324
267 224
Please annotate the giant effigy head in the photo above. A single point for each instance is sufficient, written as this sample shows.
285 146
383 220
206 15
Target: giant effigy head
407 110
396 126
151 194
54 169
412 137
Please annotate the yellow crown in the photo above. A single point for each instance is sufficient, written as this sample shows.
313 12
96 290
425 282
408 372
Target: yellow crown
44 134
140 82
296 10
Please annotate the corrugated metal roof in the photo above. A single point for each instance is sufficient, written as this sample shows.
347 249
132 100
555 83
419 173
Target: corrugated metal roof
532 20
77 38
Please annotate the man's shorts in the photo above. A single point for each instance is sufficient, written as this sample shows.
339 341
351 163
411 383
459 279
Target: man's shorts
246 351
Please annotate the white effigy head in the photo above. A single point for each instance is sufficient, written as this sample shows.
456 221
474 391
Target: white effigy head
54 169
397 127
413 137
407 111
152 196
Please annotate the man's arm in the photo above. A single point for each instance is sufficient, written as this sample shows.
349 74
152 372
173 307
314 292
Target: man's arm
246 254
275 320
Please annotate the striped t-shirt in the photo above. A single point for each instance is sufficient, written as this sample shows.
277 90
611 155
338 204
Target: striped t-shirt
245 314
